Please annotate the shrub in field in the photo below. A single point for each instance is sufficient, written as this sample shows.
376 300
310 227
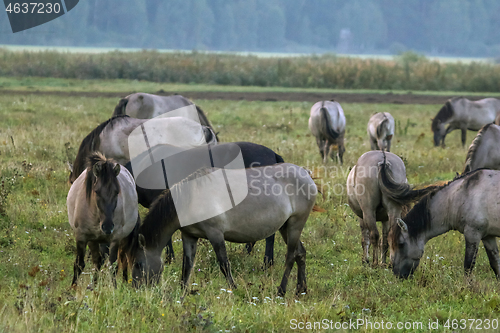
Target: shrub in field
408 71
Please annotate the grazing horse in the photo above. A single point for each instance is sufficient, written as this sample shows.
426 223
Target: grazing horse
461 113
327 124
259 213
468 204
102 209
115 131
381 130
370 200
484 152
148 106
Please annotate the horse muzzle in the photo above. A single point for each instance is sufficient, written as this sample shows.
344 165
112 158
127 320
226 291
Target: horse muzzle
107 228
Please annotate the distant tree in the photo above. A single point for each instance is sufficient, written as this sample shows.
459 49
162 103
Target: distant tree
245 23
271 26
448 25
223 34
365 20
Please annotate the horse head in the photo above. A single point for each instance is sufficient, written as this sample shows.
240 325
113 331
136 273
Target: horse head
147 265
103 183
405 252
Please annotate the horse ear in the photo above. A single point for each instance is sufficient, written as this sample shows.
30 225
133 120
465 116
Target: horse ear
116 169
142 241
96 169
402 225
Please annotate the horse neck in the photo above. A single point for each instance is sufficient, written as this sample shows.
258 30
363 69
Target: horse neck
439 223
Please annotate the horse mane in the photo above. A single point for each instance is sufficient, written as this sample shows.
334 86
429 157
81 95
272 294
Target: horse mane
444 114
107 174
88 145
162 210
204 120
418 218
120 107
471 153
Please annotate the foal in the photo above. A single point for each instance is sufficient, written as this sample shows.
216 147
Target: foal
102 209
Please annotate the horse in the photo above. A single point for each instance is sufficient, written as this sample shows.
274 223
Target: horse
102 209
327 124
484 152
278 197
371 202
497 120
148 106
253 155
468 204
115 131
461 113
111 138
381 130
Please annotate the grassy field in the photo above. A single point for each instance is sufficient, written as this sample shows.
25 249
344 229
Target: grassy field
37 246
120 86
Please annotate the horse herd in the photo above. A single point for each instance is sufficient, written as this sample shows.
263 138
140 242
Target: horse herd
107 187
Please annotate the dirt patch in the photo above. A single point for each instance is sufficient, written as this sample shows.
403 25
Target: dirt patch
263 96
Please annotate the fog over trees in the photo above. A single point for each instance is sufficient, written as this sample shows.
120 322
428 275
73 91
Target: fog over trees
437 27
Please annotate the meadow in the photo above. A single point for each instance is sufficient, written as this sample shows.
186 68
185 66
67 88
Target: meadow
37 248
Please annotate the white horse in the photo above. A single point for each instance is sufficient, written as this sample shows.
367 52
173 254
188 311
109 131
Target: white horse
381 130
102 209
461 113
327 124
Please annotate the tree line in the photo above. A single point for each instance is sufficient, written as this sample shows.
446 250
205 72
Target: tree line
447 27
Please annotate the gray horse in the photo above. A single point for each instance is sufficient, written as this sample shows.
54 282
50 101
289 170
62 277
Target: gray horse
461 113
102 209
497 120
484 152
327 124
468 204
148 106
381 130
371 201
279 197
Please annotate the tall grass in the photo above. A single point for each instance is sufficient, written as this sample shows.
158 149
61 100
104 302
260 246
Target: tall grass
407 72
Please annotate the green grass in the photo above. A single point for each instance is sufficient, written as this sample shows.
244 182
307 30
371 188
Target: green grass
34 232
122 86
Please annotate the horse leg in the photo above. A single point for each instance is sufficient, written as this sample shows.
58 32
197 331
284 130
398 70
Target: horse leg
321 146
371 223
326 151
79 261
104 248
300 259
269 254
388 145
96 257
291 241
464 136
490 245
113 255
471 248
341 152
189 245
216 238
169 252
365 241
385 244
123 261
249 247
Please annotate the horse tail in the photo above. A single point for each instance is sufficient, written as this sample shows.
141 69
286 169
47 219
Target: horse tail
279 159
326 124
120 107
401 193
382 125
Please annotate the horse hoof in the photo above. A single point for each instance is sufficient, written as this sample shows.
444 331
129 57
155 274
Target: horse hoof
281 292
